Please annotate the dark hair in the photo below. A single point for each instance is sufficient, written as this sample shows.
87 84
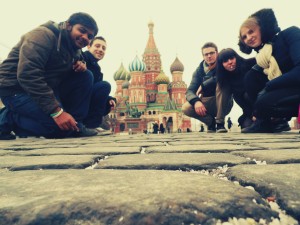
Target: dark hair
209 45
85 20
97 38
224 55
267 22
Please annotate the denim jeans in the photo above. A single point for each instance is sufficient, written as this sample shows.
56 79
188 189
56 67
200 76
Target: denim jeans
24 116
98 105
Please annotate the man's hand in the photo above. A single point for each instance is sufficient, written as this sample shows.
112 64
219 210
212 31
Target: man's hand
200 108
66 122
79 66
112 104
199 91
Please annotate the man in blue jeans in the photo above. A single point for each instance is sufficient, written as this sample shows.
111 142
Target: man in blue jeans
101 102
45 86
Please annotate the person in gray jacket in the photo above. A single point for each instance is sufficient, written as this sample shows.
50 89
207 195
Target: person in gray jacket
45 85
201 94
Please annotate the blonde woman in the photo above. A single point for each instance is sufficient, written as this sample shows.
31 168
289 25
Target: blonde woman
273 85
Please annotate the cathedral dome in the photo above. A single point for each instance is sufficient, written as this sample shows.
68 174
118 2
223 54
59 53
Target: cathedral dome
125 84
176 66
121 73
177 84
162 78
137 65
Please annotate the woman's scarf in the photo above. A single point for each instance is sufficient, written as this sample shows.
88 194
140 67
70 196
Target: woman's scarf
265 60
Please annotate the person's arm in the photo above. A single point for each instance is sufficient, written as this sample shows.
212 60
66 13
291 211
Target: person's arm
196 81
35 51
209 86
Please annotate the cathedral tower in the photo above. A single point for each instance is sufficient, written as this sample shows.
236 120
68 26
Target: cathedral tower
151 57
177 87
137 88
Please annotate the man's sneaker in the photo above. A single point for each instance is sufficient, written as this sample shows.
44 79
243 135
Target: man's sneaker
281 126
212 128
221 128
85 132
7 136
259 126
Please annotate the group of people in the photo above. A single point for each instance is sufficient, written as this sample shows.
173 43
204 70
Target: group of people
266 87
50 87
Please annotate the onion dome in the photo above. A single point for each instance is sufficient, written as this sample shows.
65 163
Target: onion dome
137 65
121 73
177 84
128 77
125 84
176 66
162 78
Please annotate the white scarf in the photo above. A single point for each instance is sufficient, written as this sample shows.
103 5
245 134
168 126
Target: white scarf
265 60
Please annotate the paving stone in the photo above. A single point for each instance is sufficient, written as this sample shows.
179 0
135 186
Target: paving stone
76 193
123 197
280 181
175 161
281 145
206 142
82 150
48 162
199 148
137 143
272 156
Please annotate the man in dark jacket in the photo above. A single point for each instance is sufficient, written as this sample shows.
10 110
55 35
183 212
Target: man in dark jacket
201 94
101 102
45 86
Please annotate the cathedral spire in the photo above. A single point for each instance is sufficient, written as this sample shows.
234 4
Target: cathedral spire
151 46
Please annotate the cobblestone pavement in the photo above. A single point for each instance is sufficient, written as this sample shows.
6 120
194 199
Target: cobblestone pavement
179 178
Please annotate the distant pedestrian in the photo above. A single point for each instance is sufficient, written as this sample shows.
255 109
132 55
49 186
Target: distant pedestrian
201 128
229 123
155 127
161 128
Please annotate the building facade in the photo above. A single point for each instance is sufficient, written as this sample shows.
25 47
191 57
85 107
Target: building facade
145 95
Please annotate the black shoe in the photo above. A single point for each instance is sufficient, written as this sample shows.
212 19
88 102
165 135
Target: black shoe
281 126
221 128
85 132
259 126
7 136
244 121
212 128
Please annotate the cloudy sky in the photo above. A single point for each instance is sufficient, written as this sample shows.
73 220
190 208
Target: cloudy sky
181 27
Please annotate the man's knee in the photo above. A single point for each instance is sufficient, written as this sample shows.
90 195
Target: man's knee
82 78
104 86
187 108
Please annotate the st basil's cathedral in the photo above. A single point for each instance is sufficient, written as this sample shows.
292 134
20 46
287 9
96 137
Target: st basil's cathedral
146 96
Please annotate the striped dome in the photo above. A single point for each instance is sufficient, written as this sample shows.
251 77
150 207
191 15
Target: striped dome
176 66
162 78
121 73
137 65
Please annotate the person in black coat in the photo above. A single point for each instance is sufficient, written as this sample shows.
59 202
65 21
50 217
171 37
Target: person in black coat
231 70
101 103
274 83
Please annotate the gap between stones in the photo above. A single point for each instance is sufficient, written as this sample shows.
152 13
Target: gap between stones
220 173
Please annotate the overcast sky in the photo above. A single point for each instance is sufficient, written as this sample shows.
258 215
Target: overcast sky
181 27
